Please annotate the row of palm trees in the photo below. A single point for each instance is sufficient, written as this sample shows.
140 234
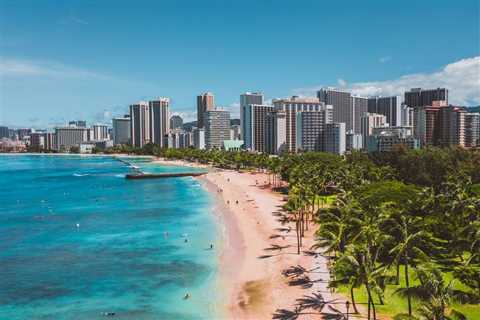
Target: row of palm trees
382 221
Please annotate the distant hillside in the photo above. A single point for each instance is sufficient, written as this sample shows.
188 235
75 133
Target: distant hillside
474 109
187 126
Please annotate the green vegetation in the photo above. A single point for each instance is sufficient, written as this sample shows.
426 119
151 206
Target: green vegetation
402 228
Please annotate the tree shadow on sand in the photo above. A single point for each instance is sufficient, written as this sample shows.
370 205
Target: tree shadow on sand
314 302
276 247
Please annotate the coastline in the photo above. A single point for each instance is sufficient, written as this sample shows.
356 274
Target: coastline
256 249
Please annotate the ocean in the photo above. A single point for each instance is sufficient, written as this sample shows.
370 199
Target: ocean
78 240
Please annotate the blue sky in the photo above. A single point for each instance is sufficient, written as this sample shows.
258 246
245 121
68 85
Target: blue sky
64 60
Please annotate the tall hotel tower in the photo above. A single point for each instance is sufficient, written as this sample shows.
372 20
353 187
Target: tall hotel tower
417 97
346 108
246 99
254 124
140 124
291 107
149 122
159 120
205 102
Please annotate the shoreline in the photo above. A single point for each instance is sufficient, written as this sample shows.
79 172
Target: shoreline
100 155
256 248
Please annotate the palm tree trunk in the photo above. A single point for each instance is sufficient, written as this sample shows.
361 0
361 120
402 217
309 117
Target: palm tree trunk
371 303
397 277
353 300
298 236
407 285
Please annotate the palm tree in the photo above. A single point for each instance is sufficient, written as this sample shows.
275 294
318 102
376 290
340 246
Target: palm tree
412 240
436 294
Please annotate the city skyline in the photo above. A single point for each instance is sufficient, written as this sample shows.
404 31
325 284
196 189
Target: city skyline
43 73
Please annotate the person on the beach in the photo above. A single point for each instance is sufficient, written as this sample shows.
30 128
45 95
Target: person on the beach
211 246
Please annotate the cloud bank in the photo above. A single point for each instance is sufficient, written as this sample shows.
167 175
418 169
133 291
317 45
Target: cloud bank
12 67
462 78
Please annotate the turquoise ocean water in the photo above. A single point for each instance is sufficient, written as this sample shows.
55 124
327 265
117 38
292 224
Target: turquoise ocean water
78 240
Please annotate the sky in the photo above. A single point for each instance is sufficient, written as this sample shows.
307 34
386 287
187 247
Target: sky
65 60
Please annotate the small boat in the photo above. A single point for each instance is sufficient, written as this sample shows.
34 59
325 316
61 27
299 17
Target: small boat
108 314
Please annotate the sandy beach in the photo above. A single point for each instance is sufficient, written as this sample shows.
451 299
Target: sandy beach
257 248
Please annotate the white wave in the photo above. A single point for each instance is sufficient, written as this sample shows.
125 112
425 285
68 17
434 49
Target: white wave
80 174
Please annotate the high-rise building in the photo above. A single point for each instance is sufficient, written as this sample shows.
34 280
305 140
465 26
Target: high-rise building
387 138
37 140
235 132
199 138
370 121
451 126
205 102
390 107
4 132
335 138
186 139
359 107
310 127
276 132
173 138
406 116
247 99
140 124
176 122
24 132
342 103
100 132
78 123
254 118
472 130
67 137
291 106
417 97
121 130
425 123
159 120
217 128
353 141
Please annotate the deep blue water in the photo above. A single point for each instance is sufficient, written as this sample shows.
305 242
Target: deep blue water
77 240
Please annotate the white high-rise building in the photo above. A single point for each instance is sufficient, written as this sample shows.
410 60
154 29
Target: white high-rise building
67 137
100 132
291 106
199 138
217 128
310 127
370 121
276 132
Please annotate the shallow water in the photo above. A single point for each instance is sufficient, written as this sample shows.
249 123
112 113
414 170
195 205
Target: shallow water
77 240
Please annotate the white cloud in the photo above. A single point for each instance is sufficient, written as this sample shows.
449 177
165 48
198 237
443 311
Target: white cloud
12 67
385 59
462 78
71 19
187 116
342 83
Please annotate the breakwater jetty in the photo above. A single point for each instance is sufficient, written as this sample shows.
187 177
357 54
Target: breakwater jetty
162 175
